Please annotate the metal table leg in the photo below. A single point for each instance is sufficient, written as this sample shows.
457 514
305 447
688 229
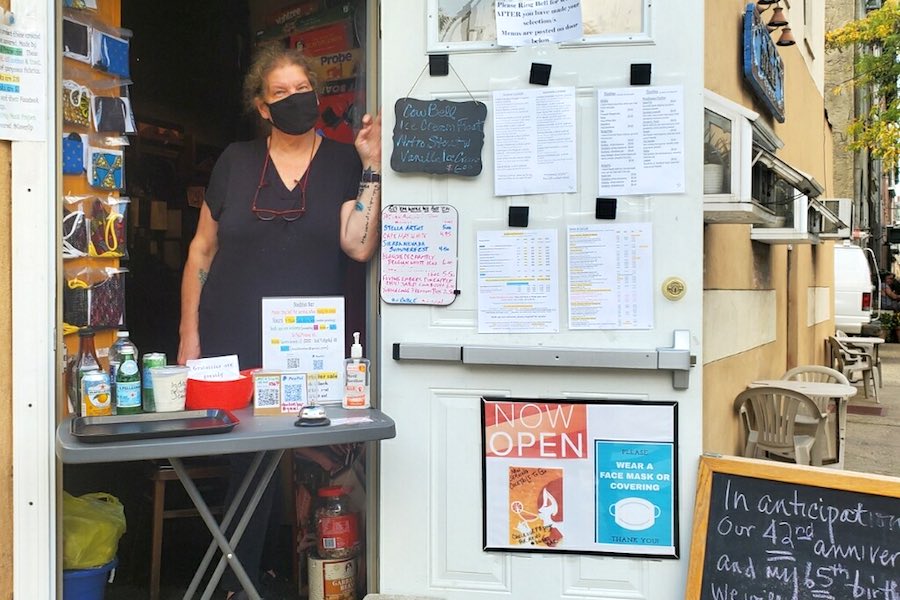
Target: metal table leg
217 531
226 521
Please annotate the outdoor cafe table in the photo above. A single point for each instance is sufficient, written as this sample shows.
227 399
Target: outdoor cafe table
837 391
265 436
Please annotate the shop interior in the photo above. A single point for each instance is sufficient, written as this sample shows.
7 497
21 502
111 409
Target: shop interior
187 61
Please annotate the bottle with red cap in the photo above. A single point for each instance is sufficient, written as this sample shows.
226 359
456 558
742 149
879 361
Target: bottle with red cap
337 526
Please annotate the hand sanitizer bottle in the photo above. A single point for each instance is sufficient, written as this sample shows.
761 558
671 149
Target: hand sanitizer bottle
356 377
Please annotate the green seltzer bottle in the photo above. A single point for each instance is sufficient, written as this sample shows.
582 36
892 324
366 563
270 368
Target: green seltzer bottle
128 384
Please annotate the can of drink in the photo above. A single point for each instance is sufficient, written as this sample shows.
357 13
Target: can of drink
151 359
96 399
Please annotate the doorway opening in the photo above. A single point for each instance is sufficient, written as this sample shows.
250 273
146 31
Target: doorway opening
187 64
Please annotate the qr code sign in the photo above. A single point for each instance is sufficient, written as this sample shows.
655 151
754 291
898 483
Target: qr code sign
293 362
318 364
292 392
267 393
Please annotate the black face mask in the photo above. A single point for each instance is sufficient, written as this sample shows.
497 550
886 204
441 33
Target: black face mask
295 114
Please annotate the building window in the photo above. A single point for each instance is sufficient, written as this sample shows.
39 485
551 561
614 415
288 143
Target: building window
717 154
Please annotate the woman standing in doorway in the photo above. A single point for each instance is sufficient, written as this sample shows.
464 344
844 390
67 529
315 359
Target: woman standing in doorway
281 217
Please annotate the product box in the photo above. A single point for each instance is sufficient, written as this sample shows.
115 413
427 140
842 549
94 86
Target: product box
328 39
280 392
344 64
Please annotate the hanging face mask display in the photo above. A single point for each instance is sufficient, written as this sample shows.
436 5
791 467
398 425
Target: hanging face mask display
107 227
82 4
295 114
113 114
106 169
74 232
76 40
110 54
73 154
76 103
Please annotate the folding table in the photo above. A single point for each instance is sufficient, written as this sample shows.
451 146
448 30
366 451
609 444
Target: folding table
266 436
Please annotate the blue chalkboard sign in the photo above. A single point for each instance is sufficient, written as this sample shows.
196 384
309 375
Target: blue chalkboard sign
438 137
763 67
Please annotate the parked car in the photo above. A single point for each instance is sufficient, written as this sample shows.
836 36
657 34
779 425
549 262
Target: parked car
856 287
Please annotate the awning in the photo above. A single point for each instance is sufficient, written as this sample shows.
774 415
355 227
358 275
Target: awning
827 214
798 179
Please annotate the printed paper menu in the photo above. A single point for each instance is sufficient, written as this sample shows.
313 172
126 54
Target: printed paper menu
610 270
641 135
534 141
518 281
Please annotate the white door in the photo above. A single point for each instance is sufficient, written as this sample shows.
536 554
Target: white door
431 523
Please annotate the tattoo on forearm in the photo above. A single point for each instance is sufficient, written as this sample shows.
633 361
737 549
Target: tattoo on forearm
202 275
376 188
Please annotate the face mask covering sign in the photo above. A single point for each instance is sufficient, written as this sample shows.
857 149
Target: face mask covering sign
582 476
439 137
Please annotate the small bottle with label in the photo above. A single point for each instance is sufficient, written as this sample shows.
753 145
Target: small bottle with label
356 377
128 383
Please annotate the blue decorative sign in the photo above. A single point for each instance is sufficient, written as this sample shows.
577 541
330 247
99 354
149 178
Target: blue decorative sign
763 68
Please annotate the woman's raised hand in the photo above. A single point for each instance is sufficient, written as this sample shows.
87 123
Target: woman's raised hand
368 142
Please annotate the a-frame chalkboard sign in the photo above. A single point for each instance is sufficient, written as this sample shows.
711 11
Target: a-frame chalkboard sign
765 530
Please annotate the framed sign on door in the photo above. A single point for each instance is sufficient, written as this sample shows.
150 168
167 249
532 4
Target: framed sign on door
580 476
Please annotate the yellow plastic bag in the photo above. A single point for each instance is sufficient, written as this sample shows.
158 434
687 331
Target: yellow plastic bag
92 526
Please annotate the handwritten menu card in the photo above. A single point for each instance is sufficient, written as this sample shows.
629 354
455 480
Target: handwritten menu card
418 254
824 538
438 137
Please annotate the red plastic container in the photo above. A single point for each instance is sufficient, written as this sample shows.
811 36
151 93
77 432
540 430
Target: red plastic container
227 395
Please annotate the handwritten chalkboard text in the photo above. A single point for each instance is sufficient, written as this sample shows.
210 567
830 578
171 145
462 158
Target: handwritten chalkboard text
438 137
769 540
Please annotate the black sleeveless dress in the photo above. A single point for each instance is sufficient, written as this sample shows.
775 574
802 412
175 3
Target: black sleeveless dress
258 259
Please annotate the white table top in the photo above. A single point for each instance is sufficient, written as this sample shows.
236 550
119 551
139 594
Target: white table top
810 388
861 340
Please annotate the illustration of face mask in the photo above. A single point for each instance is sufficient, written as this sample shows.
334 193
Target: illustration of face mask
295 114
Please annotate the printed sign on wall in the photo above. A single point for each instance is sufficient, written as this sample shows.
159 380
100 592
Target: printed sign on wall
584 476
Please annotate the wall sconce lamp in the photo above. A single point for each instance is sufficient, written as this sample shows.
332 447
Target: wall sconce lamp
777 20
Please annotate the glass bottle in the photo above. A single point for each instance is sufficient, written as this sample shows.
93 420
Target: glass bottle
115 358
85 361
128 383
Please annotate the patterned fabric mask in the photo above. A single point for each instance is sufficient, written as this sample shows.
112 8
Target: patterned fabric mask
76 104
107 170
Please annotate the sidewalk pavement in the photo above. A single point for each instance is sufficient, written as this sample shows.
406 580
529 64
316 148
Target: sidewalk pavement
873 441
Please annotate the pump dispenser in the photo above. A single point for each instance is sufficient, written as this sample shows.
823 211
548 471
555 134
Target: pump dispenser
356 377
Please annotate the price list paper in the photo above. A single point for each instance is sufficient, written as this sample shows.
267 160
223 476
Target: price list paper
518 281
610 271
419 254
641 137
23 94
306 334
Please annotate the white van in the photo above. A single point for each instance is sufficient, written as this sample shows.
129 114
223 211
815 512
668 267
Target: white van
855 287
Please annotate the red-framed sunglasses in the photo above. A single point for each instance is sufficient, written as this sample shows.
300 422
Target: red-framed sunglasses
268 214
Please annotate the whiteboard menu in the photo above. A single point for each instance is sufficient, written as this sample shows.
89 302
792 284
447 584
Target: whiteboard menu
419 254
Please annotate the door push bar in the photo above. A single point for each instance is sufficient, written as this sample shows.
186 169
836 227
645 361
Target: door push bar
677 359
